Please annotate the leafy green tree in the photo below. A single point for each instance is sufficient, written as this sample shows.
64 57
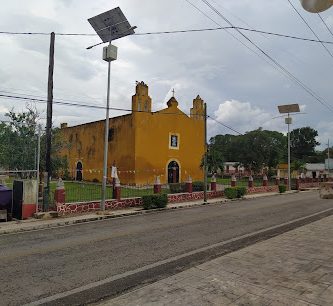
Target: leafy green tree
18 143
261 148
253 150
18 140
214 160
297 165
303 143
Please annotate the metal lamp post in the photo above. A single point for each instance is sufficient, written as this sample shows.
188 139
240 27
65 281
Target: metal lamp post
287 109
109 26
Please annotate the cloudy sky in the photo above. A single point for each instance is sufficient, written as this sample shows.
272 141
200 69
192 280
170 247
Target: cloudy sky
242 88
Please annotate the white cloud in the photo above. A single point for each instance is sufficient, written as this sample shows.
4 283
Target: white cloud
243 117
325 131
211 64
3 110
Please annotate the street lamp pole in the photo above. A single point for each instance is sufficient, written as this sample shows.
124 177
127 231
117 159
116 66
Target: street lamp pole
287 109
106 56
289 176
328 158
109 26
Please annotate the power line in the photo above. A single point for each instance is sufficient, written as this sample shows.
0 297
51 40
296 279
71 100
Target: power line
187 31
276 63
327 27
16 97
234 36
228 127
314 33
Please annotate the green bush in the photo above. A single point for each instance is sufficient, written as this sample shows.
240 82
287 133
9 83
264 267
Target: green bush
241 191
282 188
154 201
234 192
230 193
177 187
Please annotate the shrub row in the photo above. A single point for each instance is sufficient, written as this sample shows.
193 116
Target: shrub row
282 188
234 192
154 201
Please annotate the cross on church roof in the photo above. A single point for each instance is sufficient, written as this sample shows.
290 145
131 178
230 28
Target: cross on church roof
173 92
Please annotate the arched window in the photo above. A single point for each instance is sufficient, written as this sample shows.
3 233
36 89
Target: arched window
78 176
173 172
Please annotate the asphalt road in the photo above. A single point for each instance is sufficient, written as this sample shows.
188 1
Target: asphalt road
35 265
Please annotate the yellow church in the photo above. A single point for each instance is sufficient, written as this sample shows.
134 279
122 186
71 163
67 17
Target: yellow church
142 145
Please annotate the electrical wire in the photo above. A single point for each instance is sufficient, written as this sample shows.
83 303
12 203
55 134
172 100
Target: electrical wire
228 127
323 21
187 31
16 97
307 24
275 62
234 36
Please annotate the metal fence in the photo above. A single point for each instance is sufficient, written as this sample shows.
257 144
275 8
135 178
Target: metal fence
86 191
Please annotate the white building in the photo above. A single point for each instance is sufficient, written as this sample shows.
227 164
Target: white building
315 170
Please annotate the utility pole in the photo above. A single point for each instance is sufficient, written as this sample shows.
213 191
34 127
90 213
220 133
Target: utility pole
49 123
205 155
37 166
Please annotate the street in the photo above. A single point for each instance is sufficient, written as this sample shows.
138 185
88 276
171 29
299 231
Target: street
38 264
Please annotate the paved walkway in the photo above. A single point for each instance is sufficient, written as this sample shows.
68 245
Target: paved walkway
35 224
295 268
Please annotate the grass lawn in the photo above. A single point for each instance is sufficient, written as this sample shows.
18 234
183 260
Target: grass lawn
81 192
84 191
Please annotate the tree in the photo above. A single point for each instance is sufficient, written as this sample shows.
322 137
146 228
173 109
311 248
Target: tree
260 148
214 160
303 143
253 150
18 140
18 143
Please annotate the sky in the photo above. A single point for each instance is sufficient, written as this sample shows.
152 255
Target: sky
242 87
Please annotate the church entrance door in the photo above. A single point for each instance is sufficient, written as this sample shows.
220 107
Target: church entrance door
79 171
173 172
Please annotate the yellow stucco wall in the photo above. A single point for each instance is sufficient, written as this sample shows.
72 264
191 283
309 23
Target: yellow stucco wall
140 145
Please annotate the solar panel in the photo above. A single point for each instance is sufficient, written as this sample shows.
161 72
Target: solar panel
289 108
111 25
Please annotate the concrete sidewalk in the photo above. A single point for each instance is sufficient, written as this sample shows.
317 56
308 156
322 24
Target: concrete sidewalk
36 224
295 268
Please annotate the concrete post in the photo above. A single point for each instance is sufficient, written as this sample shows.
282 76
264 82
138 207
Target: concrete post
157 185
233 181
189 187
265 180
213 183
59 194
117 190
286 181
250 183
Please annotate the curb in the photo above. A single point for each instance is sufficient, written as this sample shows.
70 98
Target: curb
128 214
